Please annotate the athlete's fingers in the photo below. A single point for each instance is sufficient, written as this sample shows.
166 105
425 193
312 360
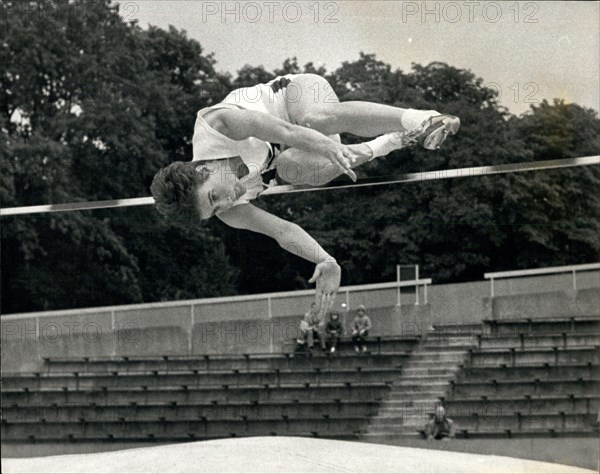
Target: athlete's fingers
318 297
342 159
347 167
346 162
333 295
350 155
327 303
315 275
347 172
323 304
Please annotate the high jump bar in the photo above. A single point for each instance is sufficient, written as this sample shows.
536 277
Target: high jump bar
287 189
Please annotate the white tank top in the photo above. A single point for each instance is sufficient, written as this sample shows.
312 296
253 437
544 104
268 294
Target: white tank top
208 144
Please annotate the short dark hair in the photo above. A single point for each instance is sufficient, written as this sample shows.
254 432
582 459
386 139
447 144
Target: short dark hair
174 191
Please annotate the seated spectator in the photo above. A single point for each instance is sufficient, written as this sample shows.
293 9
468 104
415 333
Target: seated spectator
312 327
304 328
360 329
440 426
334 330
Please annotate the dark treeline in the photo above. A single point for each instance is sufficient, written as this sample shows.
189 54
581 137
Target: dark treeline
92 106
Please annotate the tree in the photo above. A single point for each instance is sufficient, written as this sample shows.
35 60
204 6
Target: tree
91 107
554 216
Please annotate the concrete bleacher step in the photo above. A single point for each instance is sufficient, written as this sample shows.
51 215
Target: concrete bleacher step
188 411
544 325
357 391
534 340
408 396
374 344
438 341
506 372
457 328
555 356
383 437
401 413
436 353
526 404
517 388
107 442
424 379
440 360
474 422
411 371
120 429
450 365
402 422
196 379
524 422
238 362
420 385
421 403
395 436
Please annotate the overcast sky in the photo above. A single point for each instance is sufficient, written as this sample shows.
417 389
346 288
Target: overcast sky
529 50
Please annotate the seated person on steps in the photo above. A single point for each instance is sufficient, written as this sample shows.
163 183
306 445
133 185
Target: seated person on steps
311 326
360 328
334 330
440 426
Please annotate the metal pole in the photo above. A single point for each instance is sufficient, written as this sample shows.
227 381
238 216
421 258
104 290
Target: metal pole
269 306
574 281
425 292
347 300
417 285
398 299
492 286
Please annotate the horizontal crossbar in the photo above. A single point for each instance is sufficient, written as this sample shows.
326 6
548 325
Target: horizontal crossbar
287 189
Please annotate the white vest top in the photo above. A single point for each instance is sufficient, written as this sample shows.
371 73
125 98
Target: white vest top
257 155
208 144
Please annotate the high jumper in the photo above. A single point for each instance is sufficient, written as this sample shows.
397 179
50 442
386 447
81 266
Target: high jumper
285 132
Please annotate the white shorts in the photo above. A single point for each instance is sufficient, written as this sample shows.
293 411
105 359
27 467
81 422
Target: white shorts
271 98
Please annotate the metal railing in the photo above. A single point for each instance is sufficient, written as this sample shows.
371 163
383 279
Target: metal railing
541 271
267 298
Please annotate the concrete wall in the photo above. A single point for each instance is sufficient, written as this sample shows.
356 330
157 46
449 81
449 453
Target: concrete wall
582 303
242 325
27 341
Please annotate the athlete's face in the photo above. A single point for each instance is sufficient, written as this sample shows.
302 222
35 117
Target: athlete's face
220 190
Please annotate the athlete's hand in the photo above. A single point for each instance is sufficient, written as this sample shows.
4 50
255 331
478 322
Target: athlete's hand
341 156
328 276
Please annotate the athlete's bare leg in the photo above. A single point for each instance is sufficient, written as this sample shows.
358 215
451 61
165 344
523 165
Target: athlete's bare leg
312 103
295 166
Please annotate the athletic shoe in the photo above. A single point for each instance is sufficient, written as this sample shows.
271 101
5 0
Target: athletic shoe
364 348
356 349
332 349
433 131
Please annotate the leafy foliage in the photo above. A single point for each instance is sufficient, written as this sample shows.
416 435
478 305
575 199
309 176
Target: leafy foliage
91 108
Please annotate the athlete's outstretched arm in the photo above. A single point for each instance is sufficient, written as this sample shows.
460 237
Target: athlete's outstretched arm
294 239
242 124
